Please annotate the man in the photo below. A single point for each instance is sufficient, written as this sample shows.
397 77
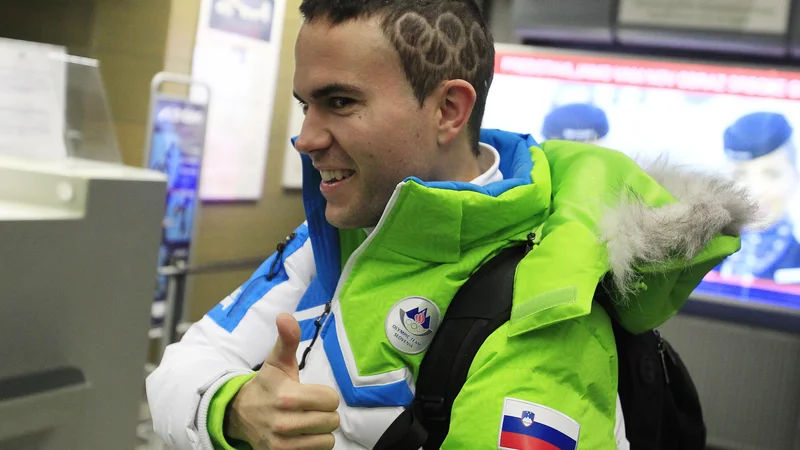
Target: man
405 197
760 147
579 122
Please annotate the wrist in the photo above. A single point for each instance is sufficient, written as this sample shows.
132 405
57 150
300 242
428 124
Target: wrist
233 424
221 412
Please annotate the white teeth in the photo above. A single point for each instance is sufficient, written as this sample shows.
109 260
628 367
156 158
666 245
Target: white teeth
330 175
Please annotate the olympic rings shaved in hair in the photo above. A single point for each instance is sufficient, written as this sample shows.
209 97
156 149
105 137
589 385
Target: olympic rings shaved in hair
442 44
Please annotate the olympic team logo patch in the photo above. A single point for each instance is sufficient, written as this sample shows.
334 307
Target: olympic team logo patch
416 322
527 425
411 324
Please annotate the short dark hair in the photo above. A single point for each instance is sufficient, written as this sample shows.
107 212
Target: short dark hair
437 40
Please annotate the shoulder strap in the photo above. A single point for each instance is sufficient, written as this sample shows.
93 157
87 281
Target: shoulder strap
641 382
481 306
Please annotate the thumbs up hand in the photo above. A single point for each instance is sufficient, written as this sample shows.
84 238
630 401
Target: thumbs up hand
274 410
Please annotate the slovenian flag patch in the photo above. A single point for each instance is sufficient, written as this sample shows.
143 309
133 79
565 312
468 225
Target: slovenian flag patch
528 426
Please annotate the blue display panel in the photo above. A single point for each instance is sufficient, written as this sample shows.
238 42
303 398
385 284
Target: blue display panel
178 139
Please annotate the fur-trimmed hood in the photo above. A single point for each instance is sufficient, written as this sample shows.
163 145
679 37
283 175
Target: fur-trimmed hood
649 232
636 234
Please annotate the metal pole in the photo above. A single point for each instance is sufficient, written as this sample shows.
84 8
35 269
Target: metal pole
180 295
173 304
169 316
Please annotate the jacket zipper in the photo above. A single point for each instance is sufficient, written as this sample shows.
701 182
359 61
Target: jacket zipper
318 327
661 351
319 324
533 239
530 242
277 262
274 269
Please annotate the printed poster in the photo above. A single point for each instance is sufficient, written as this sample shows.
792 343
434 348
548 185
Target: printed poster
237 54
176 150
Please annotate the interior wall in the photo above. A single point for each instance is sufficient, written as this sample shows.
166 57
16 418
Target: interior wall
128 38
57 22
230 231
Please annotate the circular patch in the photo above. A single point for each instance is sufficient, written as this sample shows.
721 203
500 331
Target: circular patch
411 324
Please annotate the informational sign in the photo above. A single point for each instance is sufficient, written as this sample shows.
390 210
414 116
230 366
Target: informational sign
32 99
252 19
176 149
747 16
697 78
237 54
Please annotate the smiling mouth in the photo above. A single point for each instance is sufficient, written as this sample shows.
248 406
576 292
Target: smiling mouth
334 176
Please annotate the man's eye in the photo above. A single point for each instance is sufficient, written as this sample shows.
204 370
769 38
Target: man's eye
340 102
303 105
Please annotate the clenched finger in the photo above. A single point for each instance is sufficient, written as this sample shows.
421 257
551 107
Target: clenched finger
297 423
307 397
310 442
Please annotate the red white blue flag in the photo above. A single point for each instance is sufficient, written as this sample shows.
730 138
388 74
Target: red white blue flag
529 426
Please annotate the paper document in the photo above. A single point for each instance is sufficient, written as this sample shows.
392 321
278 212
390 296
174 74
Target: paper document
32 96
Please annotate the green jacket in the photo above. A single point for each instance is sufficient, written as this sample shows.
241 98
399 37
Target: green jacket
596 215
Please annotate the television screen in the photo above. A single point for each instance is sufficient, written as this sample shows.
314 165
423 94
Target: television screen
734 120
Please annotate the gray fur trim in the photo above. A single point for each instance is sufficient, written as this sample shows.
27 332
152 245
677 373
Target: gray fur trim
636 234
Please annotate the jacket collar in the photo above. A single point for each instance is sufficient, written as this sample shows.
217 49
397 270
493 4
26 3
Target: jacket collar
436 221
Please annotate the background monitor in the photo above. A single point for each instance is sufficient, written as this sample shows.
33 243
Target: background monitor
738 121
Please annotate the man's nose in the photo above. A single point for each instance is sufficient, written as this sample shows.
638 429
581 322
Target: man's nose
313 135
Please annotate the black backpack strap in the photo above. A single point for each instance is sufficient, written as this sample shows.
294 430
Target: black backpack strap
660 403
481 306
405 433
640 378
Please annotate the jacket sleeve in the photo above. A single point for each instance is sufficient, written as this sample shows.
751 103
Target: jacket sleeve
230 340
554 387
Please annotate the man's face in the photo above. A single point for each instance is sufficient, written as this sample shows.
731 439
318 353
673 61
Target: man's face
364 128
771 179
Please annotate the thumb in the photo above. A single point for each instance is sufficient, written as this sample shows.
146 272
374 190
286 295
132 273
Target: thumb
284 353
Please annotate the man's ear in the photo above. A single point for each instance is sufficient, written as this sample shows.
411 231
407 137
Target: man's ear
455 107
